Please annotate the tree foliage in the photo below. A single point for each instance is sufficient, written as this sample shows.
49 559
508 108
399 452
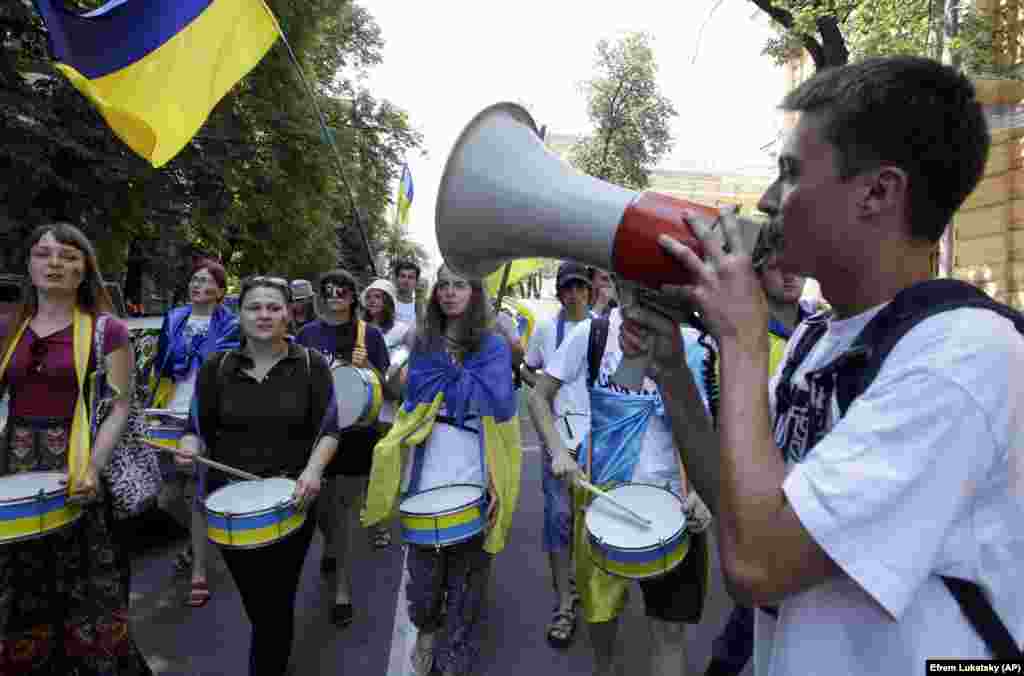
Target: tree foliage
629 113
835 31
258 188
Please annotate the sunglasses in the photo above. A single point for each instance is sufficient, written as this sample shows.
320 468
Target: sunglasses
332 290
38 350
278 283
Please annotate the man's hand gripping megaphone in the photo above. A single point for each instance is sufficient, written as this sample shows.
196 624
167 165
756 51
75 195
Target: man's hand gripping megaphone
726 293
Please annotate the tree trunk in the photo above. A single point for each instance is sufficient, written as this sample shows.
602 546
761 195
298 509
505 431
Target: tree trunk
951 25
833 43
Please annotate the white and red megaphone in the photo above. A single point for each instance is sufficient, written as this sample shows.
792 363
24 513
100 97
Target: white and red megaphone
504 196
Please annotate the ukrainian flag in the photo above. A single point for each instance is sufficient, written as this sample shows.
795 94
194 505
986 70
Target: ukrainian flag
404 195
156 68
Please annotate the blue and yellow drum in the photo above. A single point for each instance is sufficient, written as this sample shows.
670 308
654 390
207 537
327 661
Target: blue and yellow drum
622 546
34 504
359 395
251 514
443 516
164 427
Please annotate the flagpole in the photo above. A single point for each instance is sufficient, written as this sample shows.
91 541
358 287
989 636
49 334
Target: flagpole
327 138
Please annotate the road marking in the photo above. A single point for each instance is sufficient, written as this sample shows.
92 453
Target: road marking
531 448
403 636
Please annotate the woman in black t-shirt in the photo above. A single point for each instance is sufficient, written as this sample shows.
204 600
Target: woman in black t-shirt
266 408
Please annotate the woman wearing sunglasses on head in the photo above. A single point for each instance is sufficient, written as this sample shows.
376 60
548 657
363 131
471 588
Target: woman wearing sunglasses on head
454 443
190 333
64 593
345 340
264 408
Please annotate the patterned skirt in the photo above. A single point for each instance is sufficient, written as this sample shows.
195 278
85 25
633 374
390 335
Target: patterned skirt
64 596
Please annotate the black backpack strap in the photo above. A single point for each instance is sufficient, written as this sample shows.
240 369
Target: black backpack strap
595 348
979 612
861 363
859 366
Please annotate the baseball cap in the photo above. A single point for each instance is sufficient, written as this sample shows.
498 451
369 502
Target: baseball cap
301 289
571 272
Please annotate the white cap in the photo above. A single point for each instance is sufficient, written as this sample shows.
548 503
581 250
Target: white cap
382 285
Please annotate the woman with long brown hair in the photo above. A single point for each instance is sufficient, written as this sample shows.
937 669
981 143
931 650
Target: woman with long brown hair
64 596
459 433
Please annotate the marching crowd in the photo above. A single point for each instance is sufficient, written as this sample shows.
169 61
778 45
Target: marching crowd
858 464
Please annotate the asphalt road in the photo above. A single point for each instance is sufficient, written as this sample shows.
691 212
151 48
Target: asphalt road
178 640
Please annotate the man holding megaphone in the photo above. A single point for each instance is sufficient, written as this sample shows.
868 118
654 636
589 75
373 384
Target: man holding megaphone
875 480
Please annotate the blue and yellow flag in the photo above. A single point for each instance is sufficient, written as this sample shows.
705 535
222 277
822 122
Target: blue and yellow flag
404 195
519 270
156 68
485 379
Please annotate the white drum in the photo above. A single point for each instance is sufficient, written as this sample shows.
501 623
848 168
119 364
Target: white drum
623 546
359 395
251 514
34 504
443 516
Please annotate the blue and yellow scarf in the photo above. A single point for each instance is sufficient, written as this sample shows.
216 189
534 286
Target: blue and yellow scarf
485 379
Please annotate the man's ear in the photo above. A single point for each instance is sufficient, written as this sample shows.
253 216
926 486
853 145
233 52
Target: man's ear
885 189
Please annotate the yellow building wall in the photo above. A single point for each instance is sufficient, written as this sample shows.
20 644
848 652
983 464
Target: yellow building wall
989 229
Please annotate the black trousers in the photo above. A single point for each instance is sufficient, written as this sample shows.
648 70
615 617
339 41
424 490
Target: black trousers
269 599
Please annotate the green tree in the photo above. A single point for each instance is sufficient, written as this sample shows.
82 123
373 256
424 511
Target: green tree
629 113
835 31
258 187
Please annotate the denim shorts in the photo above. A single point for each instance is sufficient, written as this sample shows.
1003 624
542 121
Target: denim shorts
557 508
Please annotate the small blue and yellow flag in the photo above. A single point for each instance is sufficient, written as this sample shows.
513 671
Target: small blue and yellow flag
404 195
156 68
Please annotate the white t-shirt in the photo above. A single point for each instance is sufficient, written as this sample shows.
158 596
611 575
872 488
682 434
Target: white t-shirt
405 312
659 461
450 455
923 476
182 400
572 403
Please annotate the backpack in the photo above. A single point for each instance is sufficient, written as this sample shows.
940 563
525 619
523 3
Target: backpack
859 365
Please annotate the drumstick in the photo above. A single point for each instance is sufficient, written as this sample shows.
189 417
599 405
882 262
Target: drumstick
598 492
227 469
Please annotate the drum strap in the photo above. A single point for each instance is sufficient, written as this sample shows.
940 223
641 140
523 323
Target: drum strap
361 334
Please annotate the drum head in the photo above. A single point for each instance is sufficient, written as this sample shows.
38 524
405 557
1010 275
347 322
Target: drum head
350 391
618 529
246 497
27 484
442 499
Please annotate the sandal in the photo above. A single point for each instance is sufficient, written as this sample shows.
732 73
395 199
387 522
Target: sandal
199 594
562 627
381 537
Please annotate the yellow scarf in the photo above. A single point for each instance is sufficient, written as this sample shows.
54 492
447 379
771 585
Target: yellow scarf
80 444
